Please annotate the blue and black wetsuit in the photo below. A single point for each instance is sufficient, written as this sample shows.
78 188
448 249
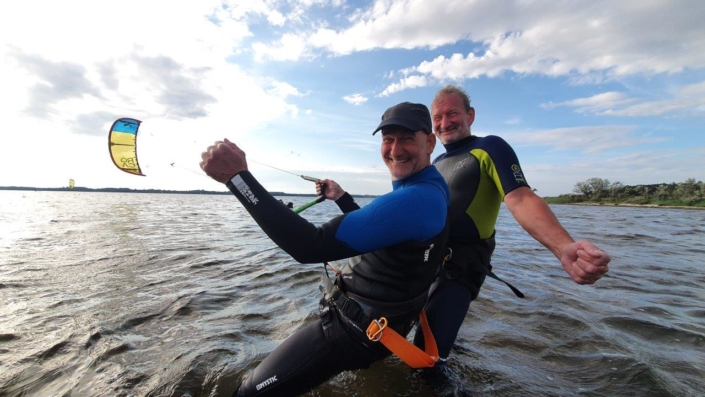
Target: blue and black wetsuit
399 238
479 171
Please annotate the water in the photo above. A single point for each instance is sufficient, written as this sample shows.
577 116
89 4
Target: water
107 294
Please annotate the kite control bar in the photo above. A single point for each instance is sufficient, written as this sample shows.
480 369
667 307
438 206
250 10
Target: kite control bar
310 178
318 199
311 203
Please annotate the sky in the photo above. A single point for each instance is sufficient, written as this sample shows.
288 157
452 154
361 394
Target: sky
580 89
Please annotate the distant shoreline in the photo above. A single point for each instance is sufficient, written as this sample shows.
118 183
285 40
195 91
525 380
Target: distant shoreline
157 191
681 207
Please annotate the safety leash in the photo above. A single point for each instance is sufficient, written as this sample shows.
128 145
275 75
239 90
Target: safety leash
414 357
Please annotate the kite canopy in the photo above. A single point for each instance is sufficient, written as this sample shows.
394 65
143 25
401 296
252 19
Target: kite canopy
71 184
123 145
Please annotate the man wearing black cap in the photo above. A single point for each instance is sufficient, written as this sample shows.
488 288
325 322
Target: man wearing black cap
395 256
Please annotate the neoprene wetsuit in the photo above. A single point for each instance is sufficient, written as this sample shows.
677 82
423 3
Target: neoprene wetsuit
399 238
479 171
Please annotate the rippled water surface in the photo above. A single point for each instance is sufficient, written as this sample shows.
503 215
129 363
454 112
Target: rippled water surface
107 294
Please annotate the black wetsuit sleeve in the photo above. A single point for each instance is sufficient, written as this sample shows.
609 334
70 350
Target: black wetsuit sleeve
347 203
305 242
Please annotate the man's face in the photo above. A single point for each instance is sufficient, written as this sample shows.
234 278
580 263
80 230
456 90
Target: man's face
451 122
406 153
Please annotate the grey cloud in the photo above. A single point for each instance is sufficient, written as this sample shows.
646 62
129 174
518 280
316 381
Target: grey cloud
177 87
688 101
96 123
586 42
586 139
108 74
58 81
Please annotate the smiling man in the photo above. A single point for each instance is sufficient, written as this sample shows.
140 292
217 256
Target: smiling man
481 172
404 148
396 242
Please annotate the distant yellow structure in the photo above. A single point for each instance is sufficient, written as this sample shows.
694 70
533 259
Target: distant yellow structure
71 184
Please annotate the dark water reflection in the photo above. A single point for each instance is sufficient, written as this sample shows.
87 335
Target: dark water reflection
137 295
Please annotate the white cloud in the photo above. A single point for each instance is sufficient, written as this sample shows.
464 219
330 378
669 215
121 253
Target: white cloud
587 42
405 83
595 103
687 100
284 90
355 99
582 139
289 48
276 18
166 68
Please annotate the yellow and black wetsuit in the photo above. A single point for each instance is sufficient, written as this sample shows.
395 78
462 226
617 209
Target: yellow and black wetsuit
479 172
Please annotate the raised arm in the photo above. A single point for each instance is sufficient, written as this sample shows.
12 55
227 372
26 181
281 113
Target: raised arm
225 162
345 236
584 262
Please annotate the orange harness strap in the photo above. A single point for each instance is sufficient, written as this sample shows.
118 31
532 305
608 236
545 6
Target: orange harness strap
414 357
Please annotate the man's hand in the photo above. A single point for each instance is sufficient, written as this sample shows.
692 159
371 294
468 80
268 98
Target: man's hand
333 191
223 160
584 262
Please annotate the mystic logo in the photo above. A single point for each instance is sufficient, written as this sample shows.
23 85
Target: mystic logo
461 163
267 382
244 189
518 175
427 253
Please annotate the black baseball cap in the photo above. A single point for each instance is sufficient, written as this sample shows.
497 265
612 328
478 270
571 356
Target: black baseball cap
413 116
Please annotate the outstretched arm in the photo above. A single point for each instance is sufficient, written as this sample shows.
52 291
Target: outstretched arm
226 163
582 260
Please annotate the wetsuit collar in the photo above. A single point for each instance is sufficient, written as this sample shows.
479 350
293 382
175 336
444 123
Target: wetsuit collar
452 146
410 180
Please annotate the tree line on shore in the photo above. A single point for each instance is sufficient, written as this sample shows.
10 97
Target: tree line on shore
690 193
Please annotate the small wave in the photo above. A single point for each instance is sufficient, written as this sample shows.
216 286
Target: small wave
133 322
688 232
113 351
11 285
654 310
633 237
95 337
51 351
254 317
64 302
697 313
8 337
655 333
210 263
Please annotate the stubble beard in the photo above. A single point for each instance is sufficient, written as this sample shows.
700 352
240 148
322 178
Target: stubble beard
456 135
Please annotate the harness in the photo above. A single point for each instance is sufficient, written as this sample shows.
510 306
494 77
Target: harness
382 322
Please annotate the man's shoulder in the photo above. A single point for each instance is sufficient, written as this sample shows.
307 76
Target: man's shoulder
432 184
490 141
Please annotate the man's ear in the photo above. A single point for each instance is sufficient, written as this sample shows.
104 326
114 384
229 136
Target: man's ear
431 141
471 116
